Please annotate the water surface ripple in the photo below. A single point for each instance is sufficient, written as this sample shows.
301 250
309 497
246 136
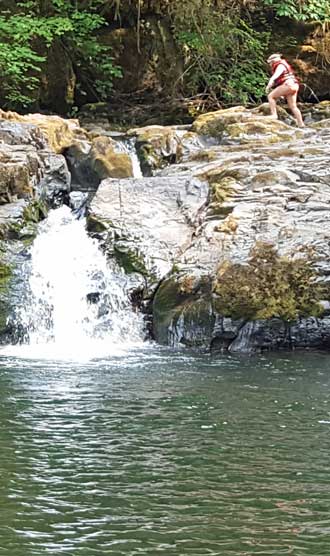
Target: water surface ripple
160 453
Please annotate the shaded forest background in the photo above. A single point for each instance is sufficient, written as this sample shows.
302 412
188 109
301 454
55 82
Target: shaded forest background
66 56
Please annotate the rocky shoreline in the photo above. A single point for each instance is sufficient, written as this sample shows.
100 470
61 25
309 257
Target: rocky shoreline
225 239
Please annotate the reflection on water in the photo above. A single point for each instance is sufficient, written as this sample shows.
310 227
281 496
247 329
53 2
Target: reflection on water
163 453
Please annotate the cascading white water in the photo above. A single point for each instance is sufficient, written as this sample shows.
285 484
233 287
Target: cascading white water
75 304
128 146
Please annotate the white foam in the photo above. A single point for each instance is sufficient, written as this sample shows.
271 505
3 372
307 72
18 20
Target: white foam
67 270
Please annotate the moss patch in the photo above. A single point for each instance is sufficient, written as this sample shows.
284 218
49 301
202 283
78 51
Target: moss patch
97 225
188 299
35 212
223 185
268 286
130 260
5 276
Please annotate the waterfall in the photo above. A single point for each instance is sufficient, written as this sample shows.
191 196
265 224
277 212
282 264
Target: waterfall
75 305
128 146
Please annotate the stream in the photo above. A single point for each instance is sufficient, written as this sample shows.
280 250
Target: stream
162 452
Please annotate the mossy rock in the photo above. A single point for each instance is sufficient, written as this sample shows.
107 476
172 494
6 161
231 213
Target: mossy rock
264 110
322 124
96 225
156 147
223 186
320 111
267 286
60 133
213 124
228 226
22 222
130 259
106 162
5 277
271 130
182 311
204 156
35 211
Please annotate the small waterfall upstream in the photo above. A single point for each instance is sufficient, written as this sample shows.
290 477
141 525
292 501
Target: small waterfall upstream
74 304
128 146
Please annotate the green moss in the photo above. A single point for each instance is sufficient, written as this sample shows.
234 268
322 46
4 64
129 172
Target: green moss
204 156
149 160
5 273
130 260
5 276
223 189
35 212
188 298
268 286
223 185
97 225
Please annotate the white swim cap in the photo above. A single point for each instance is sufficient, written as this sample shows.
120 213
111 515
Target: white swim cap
274 58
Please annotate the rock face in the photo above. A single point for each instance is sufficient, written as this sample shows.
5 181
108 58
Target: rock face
225 243
29 167
148 221
156 146
233 238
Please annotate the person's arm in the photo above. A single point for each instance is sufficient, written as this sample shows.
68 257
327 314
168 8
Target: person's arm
279 70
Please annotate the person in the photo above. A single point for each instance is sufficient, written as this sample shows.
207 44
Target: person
285 85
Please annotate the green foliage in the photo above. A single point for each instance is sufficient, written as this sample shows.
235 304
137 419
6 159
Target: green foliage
224 56
268 286
27 35
302 10
16 65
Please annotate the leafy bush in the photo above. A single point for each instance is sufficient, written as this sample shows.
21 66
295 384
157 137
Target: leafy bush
304 10
27 34
223 55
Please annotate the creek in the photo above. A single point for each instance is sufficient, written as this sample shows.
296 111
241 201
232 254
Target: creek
161 452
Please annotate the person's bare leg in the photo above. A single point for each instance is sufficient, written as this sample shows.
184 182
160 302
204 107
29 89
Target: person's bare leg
280 91
292 104
272 106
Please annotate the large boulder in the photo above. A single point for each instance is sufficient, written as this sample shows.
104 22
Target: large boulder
92 161
271 197
29 168
147 222
60 133
242 125
19 169
156 146
107 162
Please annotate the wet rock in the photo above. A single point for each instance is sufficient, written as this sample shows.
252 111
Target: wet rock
92 161
243 126
106 162
183 312
60 133
264 110
29 168
55 183
147 222
318 112
156 146
17 133
273 193
19 169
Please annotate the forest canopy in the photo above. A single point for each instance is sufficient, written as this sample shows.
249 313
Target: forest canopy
221 44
